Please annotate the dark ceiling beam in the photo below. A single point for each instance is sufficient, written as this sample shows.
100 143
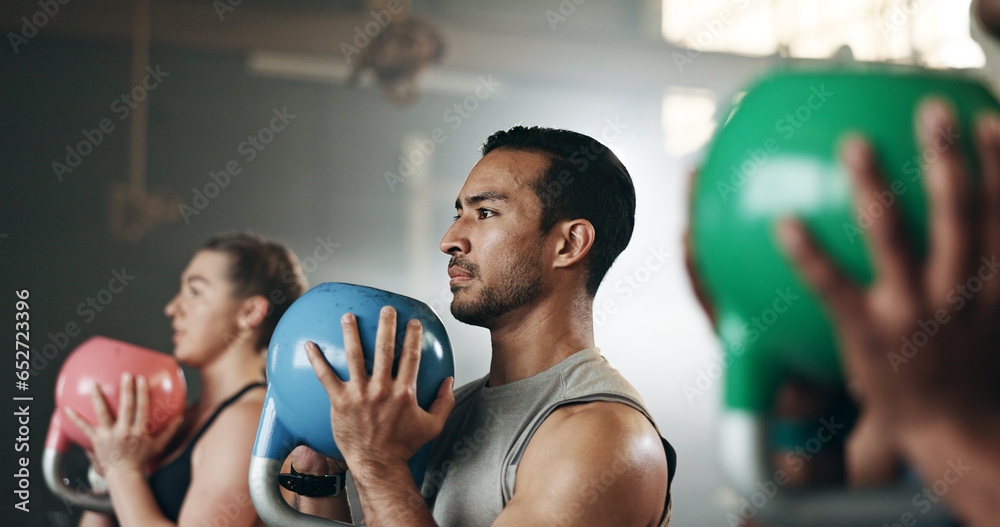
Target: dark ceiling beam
599 62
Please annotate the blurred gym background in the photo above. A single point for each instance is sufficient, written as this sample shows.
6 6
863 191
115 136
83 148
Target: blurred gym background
345 128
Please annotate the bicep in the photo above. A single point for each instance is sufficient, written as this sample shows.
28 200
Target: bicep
580 498
602 467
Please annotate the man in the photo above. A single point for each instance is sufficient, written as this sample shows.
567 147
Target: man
553 435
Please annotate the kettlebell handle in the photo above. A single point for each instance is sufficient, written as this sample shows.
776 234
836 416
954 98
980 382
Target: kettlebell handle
270 505
52 469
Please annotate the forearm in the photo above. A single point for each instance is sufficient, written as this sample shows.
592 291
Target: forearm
389 497
960 464
134 503
96 519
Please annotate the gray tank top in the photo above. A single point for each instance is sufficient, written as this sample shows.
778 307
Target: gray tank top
472 468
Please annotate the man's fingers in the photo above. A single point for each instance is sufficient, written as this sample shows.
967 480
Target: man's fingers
327 377
988 147
887 238
126 402
101 407
842 297
80 422
352 349
385 346
953 225
409 358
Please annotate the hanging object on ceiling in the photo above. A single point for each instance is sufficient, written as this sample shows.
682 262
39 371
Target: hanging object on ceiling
404 47
133 210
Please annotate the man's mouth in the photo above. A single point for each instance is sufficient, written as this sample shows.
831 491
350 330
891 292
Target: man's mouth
458 272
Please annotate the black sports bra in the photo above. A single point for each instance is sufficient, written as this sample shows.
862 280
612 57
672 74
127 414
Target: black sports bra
170 483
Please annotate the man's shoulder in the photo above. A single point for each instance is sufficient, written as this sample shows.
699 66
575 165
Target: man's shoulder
598 416
592 373
607 427
599 432
598 449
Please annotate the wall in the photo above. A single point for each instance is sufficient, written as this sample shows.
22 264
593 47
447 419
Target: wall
320 184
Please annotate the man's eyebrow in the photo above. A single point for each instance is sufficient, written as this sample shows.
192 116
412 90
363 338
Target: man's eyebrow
489 195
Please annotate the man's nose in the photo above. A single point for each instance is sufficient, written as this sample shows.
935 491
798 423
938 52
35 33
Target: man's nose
455 240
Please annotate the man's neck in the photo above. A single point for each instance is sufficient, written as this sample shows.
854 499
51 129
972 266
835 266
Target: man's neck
534 338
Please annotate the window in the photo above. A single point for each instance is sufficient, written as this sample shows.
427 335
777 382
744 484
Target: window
933 33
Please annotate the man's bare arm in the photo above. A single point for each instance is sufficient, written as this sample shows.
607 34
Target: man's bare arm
597 464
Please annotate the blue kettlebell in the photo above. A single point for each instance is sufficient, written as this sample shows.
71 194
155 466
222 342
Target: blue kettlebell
297 408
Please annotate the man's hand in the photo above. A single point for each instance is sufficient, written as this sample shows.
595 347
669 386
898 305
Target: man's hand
919 344
376 421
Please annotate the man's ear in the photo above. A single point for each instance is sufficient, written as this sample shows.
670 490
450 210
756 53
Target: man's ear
575 238
252 312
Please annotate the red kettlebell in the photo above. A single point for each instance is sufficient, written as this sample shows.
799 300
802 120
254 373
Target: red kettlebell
103 361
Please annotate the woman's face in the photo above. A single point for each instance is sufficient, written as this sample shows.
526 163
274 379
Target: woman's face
204 312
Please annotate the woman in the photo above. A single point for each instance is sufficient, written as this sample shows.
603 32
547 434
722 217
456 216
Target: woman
232 294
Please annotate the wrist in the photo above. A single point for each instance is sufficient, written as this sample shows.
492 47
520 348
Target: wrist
936 435
312 486
122 476
367 470
316 469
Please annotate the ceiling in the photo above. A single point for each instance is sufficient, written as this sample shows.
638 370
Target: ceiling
559 42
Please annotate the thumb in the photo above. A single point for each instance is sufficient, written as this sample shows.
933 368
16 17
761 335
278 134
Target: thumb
444 403
93 463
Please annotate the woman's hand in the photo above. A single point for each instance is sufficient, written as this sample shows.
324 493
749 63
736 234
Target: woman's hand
123 443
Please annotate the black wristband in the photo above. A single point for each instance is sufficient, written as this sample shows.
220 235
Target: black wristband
312 486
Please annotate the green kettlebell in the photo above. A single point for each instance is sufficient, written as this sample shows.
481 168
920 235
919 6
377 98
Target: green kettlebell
778 156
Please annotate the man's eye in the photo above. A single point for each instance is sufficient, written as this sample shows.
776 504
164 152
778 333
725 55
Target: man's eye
485 213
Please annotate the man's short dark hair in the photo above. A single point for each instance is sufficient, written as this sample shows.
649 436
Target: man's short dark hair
585 180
